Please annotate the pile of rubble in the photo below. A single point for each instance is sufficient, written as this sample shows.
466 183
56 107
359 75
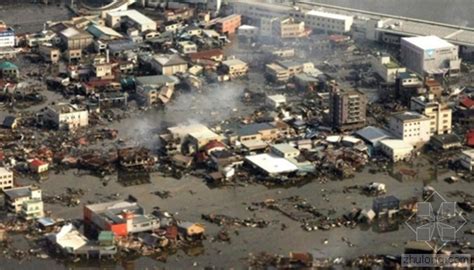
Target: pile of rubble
224 220
71 198
303 260
310 217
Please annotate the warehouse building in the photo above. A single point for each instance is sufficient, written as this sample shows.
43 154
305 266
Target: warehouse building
120 217
270 164
430 55
132 18
76 39
328 22
396 150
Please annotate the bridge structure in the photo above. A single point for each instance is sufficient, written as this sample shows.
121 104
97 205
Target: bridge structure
81 8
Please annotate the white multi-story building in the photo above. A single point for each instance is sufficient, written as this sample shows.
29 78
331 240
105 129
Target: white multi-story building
328 22
387 68
7 36
440 114
65 116
396 149
6 179
32 209
430 55
15 197
256 10
411 127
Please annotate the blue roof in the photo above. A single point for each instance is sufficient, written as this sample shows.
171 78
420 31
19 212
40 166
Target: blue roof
46 221
254 128
373 135
8 65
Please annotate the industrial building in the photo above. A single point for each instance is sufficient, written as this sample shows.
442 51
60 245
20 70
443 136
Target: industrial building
131 18
120 217
373 136
76 39
328 22
430 55
270 164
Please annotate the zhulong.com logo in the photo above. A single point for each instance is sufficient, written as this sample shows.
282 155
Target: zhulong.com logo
436 226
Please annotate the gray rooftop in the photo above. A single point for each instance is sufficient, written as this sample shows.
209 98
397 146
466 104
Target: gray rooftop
408 116
15 193
253 128
373 135
156 80
446 138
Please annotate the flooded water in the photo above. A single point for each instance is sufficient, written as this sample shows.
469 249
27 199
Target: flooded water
454 11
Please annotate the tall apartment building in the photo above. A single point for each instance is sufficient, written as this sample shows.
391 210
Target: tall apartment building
411 127
439 114
347 109
6 179
229 24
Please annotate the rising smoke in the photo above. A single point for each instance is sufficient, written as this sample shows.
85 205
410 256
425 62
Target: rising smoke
213 104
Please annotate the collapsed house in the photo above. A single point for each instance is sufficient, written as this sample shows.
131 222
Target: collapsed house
187 138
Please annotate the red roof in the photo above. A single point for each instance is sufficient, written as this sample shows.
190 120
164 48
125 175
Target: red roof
467 102
470 138
209 54
213 144
37 163
99 83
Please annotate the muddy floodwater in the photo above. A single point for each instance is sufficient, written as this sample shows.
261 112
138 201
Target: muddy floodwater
191 197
